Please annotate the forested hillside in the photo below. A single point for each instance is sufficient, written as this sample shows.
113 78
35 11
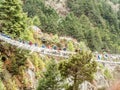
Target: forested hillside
95 22
59 44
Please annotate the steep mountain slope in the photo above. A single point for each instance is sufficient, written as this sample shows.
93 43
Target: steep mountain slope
59 6
89 28
95 22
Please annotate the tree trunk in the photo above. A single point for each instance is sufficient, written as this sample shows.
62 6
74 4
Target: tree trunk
76 85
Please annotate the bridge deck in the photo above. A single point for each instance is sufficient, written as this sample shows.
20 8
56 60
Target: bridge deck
45 51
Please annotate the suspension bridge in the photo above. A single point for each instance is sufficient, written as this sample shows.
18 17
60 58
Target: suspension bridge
44 51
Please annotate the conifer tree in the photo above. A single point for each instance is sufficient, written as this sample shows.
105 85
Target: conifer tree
51 78
78 68
12 18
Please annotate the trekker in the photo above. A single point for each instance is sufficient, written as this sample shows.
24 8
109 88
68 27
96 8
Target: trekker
99 57
49 47
55 47
59 49
64 49
36 44
30 43
43 46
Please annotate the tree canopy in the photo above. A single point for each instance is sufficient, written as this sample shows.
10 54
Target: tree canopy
12 18
78 68
95 22
51 78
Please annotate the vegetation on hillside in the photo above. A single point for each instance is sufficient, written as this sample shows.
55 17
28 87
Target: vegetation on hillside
51 79
15 62
93 22
12 19
79 68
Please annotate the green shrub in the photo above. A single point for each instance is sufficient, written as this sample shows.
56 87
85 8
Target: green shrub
11 85
82 46
18 60
2 87
36 60
107 74
28 35
55 38
70 46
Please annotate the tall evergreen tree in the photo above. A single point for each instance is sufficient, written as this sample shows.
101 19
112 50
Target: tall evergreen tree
12 18
51 78
78 68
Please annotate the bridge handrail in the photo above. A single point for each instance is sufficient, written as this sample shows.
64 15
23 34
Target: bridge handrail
33 47
45 51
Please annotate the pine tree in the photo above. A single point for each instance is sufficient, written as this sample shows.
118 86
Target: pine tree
51 79
78 68
12 18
